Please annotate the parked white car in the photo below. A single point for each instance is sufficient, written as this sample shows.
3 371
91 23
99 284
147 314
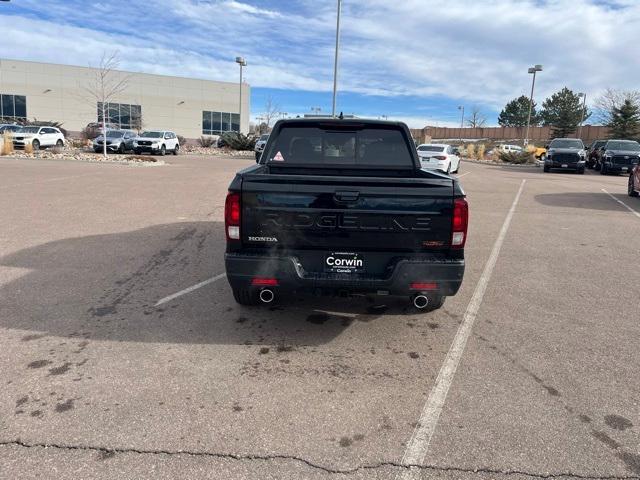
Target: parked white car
438 156
38 137
510 148
156 141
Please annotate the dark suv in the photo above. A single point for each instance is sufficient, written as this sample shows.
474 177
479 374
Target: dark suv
619 156
594 153
565 154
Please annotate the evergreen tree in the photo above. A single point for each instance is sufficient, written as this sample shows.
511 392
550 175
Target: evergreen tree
625 121
516 112
563 111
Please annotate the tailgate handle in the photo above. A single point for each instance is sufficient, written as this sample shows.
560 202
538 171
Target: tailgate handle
346 197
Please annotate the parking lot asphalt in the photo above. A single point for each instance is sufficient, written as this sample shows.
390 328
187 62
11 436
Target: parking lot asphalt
102 378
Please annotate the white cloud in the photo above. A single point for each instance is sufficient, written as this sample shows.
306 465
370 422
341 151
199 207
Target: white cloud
473 51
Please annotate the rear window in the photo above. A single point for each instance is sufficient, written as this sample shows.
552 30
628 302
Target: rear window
369 146
430 148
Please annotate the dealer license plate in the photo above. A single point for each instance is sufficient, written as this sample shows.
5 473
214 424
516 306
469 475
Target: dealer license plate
344 262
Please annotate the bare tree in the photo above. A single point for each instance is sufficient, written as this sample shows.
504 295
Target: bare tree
476 118
271 111
107 84
610 100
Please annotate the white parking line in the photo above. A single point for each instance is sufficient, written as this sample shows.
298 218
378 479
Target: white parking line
190 289
622 203
460 176
418 445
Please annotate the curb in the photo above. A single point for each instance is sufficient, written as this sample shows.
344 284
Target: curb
503 164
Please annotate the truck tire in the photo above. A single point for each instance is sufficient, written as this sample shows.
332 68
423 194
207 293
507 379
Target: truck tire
246 297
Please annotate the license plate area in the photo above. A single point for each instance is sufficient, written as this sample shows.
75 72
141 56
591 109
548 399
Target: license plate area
344 262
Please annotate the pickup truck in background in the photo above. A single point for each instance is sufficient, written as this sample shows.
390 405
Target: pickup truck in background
342 207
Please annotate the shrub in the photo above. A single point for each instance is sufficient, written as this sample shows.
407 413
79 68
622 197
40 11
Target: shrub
89 133
517 158
480 151
206 142
471 150
7 145
79 142
462 151
28 148
182 140
239 141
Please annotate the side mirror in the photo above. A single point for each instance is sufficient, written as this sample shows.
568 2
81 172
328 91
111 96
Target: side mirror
546 147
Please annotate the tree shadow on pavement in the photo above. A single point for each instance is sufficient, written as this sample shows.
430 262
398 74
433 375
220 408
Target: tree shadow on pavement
106 286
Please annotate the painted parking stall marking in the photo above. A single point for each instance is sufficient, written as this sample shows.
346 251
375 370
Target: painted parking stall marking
623 204
189 289
418 445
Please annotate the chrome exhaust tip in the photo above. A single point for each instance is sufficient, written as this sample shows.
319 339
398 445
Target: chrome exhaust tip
267 295
420 301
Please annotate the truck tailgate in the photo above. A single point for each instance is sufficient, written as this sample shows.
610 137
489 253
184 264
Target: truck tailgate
345 213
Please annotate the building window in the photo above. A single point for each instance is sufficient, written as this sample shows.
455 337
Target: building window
13 107
217 123
122 114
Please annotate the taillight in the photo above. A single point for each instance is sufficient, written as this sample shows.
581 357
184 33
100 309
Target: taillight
459 223
232 216
264 282
423 286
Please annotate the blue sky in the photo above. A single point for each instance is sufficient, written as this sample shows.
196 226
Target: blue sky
414 60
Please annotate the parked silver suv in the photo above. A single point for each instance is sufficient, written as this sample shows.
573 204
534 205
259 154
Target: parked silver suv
119 141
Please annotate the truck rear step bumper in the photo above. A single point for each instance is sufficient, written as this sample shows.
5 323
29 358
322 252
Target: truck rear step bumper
440 276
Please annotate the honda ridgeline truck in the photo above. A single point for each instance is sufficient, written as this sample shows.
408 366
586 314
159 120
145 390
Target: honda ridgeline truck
342 207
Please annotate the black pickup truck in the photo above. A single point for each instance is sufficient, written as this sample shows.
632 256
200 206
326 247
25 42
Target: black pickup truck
342 207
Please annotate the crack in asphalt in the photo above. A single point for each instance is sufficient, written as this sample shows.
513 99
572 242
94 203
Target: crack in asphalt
337 471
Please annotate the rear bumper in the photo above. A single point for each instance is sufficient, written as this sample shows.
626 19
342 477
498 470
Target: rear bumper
446 274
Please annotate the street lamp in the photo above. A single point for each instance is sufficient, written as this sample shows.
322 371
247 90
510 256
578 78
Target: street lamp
584 107
335 62
461 107
243 63
533 70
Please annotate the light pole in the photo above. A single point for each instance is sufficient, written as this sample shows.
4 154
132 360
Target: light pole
335 62
534 69
243 63
584 107
461 107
